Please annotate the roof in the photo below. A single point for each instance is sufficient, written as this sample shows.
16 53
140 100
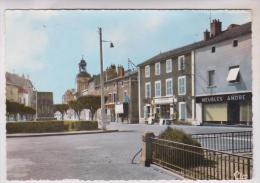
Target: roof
127 74
14 79
225 35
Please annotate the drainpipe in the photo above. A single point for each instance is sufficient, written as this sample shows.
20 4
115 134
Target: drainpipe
139 93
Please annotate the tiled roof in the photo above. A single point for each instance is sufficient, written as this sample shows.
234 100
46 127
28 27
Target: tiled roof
14 79
225 35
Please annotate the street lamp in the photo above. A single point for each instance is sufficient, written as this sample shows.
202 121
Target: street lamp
103 123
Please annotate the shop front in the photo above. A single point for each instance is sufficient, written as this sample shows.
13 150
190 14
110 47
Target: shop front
162 108
226 109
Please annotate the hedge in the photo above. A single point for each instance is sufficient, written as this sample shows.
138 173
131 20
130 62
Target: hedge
49 126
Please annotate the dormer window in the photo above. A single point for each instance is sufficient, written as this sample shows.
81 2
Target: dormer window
233 74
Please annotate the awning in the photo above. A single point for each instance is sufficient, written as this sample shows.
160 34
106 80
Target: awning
233 74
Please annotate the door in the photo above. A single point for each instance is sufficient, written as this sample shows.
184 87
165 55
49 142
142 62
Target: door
233 112
182 110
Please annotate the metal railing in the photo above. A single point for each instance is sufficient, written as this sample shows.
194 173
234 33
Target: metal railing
235 142
200 163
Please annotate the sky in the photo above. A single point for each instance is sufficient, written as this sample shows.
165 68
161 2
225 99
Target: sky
47 45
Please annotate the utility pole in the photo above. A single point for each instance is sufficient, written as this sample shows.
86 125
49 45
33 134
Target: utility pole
102 82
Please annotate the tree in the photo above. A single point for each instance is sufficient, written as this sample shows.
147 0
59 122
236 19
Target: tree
76 106
29 112
91 102
14 108
62 108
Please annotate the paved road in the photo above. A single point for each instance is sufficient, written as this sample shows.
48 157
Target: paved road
87 157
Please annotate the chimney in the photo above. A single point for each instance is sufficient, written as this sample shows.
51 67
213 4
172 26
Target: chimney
215 28
120 71
206 35
111 72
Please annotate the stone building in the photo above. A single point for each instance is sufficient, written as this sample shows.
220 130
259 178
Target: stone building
166 87
19 89
69 95
223 75
121 93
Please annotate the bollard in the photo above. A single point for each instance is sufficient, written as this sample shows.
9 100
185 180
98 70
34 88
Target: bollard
146 158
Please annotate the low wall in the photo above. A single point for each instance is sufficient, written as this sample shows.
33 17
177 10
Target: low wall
49 126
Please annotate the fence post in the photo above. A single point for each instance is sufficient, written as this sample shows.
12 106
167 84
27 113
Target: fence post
146 158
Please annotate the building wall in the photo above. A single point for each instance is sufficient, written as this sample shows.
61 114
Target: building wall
44 104
225 56
163 76
12 93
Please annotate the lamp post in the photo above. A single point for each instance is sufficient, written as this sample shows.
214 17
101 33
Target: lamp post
103 123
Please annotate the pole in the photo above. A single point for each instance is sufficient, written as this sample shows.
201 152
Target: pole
36 105
102 82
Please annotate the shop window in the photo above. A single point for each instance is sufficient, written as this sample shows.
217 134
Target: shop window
211 78
157 68
182 85
147 71
169 87
148 90
181 63
233 74
157 88
169 66
235 43
213 49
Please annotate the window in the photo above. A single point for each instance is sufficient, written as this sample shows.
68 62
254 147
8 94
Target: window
182 110
169 87
122 83
235 43
181 63
148 90
169 66
157 69
157 88
182 85
211 78
147 71
213 49
114 97
233 74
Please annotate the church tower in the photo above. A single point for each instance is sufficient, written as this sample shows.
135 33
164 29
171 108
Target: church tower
83 77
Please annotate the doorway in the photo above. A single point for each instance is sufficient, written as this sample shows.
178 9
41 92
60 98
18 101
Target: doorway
233 112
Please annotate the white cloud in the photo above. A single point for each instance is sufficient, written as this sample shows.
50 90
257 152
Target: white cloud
25 44
154 21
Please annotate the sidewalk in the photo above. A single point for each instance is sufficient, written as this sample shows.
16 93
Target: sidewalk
58 133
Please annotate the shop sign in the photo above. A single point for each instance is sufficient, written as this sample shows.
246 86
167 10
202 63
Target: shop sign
168 100
224 98
119 108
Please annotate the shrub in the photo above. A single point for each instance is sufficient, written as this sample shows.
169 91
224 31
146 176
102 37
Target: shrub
49 126
180 151
177 135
